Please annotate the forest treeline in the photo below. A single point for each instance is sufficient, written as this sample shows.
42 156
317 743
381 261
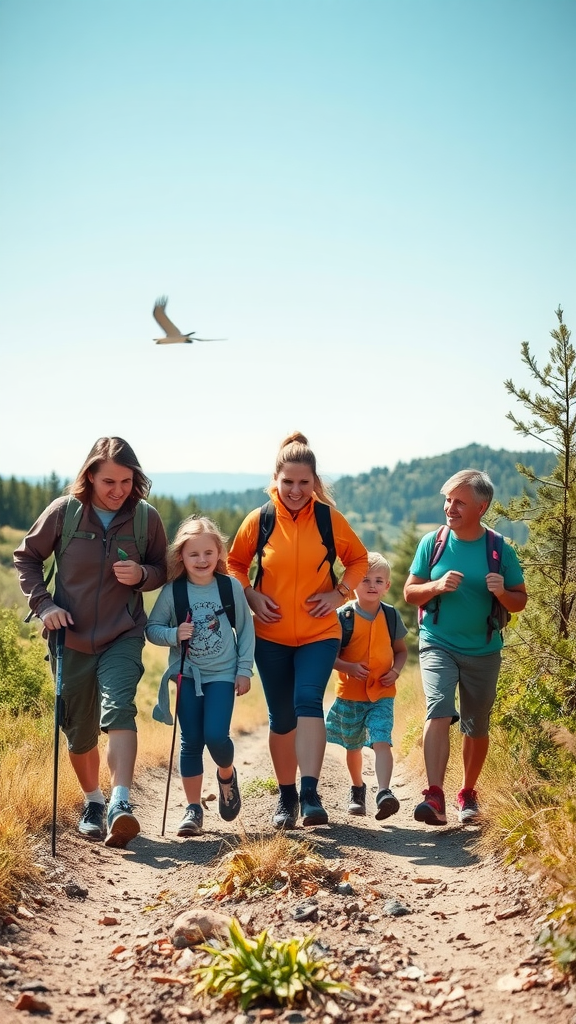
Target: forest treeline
379 503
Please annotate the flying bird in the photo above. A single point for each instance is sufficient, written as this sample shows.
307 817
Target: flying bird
173 335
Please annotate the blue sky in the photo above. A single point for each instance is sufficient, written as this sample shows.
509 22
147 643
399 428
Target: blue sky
372 200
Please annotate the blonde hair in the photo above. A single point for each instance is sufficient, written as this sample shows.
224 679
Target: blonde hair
377 561
194 526
295 448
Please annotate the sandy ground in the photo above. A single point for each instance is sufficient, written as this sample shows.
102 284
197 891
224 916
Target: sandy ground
91 944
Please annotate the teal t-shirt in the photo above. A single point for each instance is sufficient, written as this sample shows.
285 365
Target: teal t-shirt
461 624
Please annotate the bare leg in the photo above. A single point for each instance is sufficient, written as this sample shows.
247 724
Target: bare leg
192 787
383 765
121 755
354 762
310 745
474 751
436 750
87 769
283 754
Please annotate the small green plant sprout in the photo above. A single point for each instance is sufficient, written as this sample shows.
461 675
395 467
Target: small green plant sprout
122 555
259 787
248 970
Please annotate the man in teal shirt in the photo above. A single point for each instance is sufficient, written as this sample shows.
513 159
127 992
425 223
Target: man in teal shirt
457 651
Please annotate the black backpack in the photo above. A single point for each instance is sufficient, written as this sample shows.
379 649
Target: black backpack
323 522
346 616
180 593
499 616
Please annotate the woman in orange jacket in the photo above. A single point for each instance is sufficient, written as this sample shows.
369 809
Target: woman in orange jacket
298 633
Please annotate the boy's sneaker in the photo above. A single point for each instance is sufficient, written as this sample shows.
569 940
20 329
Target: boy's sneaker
191 824
387 804
91 824
230 802
468 810
122 825
311 808
432 810
286 813
357 802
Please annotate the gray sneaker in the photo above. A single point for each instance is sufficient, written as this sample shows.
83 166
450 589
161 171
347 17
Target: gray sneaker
91 824
122 825
387 804
357 801
191 824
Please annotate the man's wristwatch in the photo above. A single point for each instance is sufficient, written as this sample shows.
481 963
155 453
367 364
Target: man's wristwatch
144 576
343 589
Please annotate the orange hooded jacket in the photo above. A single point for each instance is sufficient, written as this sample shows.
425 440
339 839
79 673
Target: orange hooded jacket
294 569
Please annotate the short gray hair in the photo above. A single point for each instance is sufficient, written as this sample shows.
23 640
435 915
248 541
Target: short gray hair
480 483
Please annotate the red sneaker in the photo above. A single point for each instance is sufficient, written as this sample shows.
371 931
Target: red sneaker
468 810
432 810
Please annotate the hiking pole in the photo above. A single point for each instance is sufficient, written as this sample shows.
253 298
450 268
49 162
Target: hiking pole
60 635
183 652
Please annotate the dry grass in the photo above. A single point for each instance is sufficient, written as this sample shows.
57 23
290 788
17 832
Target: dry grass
270 864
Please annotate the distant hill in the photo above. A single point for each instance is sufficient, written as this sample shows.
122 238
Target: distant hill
182 485
379 503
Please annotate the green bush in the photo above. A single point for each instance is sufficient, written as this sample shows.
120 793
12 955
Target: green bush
25 682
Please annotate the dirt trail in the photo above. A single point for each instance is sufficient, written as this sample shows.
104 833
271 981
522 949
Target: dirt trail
463 950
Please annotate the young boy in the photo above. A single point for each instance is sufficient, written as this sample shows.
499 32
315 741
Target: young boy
368 665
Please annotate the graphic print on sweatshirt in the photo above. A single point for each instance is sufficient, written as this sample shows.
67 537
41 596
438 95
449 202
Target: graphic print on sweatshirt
207 637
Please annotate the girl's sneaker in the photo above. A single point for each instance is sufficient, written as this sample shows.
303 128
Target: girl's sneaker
191 824
230 801
387 804
122 825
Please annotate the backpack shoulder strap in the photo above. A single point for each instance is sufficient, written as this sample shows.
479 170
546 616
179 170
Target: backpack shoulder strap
439 545
72 517
180 594
346 616
391 619
323 514
265 527
141 527
494 548
226 596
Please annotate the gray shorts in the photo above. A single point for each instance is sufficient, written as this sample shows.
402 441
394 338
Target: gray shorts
444 672
98 692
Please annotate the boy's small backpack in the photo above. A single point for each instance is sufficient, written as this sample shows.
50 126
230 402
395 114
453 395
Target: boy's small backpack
323 522
180 593
499 616
347 615
72 517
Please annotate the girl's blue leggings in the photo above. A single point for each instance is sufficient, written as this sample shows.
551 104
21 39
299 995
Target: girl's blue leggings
205 722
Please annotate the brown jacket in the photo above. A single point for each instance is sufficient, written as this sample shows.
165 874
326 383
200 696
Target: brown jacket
102 608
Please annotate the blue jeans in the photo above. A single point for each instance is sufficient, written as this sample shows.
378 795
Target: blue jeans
294 680
205 722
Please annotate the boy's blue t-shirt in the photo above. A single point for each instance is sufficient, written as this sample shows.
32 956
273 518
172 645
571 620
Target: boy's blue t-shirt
462 617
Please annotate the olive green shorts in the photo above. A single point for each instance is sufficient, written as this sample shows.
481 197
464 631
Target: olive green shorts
98 692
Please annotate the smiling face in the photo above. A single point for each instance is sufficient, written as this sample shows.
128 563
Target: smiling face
111 486
295 482
200 556
464 511
372 588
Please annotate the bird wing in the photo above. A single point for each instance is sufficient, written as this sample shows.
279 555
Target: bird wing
159 314
209 339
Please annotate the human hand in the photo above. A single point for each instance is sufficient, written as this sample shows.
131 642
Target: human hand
389 677
55 617
358 670
128 572
324 603
495 583
450 581
185 631
242 685
264 608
